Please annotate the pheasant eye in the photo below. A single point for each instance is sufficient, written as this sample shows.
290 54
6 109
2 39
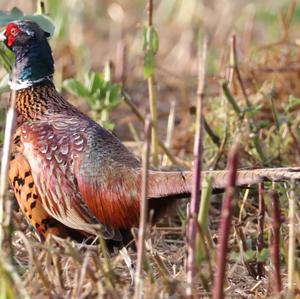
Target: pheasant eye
13 31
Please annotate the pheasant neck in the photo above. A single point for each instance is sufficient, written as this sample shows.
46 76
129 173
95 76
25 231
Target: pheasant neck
40 101
34 64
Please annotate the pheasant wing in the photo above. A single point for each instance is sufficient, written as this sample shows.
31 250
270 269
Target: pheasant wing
109 180
51 148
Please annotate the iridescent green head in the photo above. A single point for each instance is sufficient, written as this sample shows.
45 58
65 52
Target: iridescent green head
34 61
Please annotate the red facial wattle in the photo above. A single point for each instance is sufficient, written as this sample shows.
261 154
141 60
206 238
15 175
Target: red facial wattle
11 33
10 40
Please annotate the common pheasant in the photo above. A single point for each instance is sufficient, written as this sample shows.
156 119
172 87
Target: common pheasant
67 172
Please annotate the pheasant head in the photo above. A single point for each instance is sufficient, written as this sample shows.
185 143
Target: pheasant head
34 61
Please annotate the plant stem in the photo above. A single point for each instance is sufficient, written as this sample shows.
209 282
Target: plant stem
135 110
292 242
10 121
138 292
260 227
252 123
5 60
41 7
225 225
8 134
150 12
243 248
237 71
206 191
153 98
232 100
170 130
203 245
104 117
17 283
153 111
195 201
275 249
121 59
213 136
270 97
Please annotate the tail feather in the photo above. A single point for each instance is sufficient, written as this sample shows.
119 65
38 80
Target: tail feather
166 184
253 176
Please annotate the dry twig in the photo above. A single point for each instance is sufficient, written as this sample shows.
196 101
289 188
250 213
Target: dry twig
143 214
225 225
195 201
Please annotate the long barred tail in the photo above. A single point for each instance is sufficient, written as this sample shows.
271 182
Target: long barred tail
167 183
254 176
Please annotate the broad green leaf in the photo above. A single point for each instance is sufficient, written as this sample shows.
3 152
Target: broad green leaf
88 81
4 84
6 285
101 95
249 255
292 103
107 99
253 109
263 255
108 125
7 58
115 94
16 12
3 13
97 83
45 22
76 88
94 82
264 123
5 19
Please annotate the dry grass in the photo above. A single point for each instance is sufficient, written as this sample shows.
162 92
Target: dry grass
62 268
268 56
